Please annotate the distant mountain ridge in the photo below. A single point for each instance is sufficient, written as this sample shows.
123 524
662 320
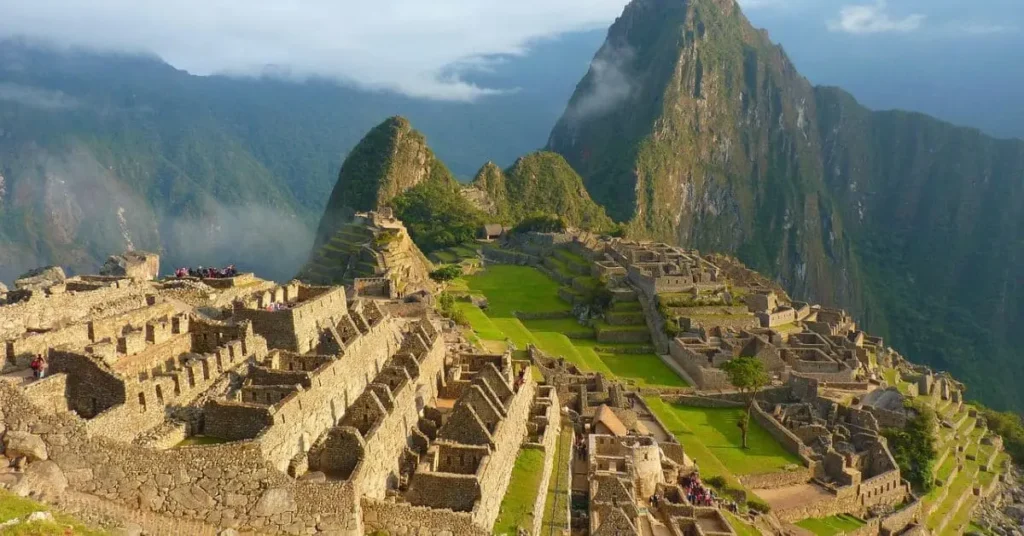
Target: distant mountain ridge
696 129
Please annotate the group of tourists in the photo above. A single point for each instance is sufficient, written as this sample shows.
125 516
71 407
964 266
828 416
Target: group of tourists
696 493
207 273
39 366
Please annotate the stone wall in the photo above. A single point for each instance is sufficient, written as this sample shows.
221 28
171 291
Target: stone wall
497 471
298 328
655 322
897 521
777 479
786 438
386 442
549 444
199 483
307 414
403 518
48 393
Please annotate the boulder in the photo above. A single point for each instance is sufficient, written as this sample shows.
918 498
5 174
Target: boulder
40 278
3 288
18 444
1015 511
134 264
274 501
42 479
40 517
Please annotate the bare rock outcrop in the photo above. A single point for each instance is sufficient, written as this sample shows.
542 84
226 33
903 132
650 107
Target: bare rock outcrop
40 278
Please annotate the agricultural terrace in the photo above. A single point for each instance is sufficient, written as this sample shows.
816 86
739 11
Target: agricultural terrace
712 438
832 525
517 506
520 289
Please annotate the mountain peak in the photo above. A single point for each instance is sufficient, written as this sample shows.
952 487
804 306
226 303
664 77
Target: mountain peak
389 160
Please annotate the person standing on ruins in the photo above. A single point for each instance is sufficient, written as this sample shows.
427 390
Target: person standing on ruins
39 366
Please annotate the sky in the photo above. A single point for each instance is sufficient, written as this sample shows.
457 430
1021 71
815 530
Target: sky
890 53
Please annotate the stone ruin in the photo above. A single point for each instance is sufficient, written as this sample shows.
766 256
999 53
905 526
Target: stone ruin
289 408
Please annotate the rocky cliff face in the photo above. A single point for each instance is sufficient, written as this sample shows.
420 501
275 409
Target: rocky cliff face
696 129
390 159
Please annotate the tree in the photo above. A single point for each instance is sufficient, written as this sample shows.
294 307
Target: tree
749 376
446 273
913 447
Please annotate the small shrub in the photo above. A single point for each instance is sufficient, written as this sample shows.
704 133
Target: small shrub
446 273
386 237
717 482
539 222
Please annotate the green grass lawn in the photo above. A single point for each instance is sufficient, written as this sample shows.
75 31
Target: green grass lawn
524 289
829 526
556 504
623 307
480 323
12 506
516 288
716 430
645 369
517 506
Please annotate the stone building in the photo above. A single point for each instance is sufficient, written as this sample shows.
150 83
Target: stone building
323 412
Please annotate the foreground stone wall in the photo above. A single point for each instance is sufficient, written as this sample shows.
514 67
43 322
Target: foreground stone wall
203 483
307 414
497 472
403 518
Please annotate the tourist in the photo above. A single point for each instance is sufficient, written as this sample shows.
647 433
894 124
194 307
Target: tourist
39 366
36 365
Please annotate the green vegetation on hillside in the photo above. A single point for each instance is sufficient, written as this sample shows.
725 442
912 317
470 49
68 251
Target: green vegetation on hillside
437 216
914 447
541 183
1010 427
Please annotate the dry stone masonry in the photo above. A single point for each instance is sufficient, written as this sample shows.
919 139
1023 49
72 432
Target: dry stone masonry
291 408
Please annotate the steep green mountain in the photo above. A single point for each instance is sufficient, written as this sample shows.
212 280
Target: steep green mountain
538 182
392 158
693 127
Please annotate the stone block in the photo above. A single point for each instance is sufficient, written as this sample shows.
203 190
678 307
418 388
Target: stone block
274 501
31 446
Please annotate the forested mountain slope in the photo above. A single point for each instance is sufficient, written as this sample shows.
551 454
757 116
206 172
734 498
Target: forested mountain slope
695 128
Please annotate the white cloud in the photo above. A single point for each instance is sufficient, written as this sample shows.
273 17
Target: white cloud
873 18
36 97
401 45
609 83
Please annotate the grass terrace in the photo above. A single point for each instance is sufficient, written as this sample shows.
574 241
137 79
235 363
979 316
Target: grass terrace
556 505
741 527
512 289
517 507
717 431
832 525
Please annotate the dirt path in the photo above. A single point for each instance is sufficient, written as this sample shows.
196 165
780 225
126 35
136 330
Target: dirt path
789 497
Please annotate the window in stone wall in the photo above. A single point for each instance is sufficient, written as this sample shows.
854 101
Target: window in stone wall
159 394
142 401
